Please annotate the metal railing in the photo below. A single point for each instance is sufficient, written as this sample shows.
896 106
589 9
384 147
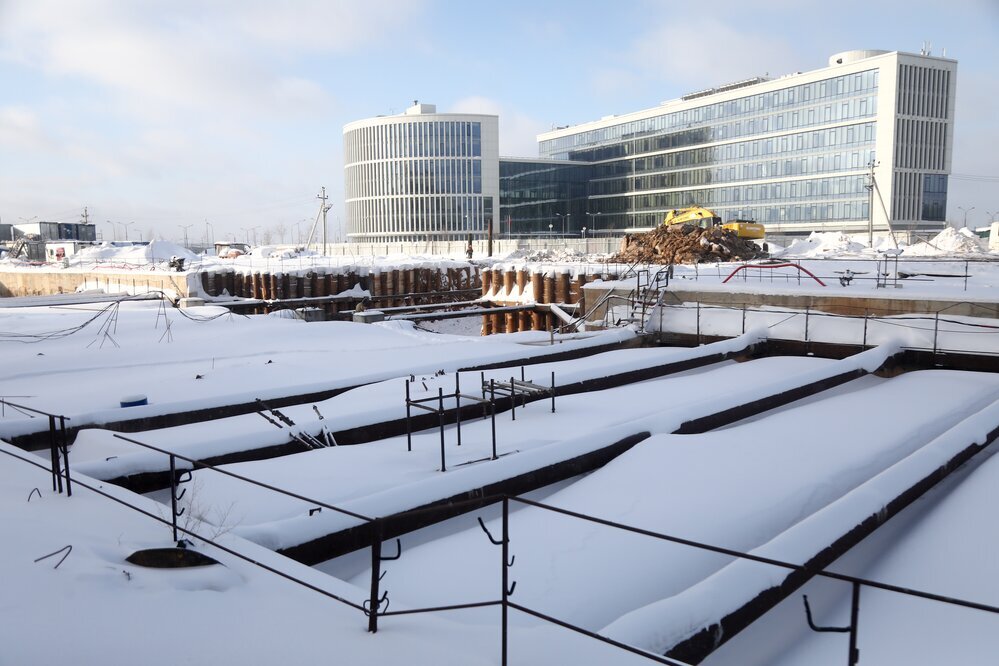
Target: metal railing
809 317
371 607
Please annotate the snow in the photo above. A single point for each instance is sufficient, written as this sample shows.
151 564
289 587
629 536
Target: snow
782 484
95 607
737 488
949 242
822 244
211 357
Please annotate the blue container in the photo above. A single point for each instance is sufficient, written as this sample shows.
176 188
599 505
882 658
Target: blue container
134 401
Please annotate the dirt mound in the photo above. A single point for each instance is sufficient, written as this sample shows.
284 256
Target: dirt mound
685 244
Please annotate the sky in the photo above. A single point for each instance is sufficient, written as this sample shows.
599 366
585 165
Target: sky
224 120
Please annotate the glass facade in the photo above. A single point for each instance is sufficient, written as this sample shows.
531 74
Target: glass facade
415 178
935 198
537 193
795 155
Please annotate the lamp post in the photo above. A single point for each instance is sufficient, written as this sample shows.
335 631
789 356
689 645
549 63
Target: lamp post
992 216
185 227
114 230
550 230
209 237
126 225
593 222
584 232
966 211
565 220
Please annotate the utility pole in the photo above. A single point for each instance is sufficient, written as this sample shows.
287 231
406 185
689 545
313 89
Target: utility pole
86 216
870 202
326 207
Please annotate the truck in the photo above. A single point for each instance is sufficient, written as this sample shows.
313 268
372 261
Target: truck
703 217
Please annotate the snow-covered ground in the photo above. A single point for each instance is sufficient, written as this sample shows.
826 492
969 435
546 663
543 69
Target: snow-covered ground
780 483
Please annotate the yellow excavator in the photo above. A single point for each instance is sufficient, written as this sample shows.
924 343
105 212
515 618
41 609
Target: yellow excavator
702 217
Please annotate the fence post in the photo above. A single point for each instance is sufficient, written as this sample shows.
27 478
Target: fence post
376 565
698 322
54 452
457 404
173 495
864 343
513 400
553 391
807 310
440 422
505 576
936 330
65 454
854 618
744 318
409 429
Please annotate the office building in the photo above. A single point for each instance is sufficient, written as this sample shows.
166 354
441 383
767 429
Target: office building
421 175
795 152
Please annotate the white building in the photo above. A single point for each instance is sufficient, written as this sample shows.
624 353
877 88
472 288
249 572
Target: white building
421 175
792 152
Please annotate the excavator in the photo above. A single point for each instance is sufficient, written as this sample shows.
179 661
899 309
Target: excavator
702 217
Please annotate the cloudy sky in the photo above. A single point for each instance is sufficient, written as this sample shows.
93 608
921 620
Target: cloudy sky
227 115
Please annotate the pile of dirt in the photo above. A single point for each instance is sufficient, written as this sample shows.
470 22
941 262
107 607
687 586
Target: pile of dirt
685 244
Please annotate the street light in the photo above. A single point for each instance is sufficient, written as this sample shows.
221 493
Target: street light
126 225
565 219
114 230
209 237
584 232
185 227
593 222
966 211
992 216
550 230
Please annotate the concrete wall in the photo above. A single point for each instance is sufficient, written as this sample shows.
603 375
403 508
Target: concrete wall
41 282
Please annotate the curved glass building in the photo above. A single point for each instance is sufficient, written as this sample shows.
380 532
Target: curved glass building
421 175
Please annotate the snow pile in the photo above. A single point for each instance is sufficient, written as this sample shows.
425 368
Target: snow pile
154 252
950 241
551 255
271 252
823 244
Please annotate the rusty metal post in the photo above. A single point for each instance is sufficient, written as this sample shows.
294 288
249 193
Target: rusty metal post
538 289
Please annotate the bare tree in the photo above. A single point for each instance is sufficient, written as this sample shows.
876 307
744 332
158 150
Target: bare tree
281 230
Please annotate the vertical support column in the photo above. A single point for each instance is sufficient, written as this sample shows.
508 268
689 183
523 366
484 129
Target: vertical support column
538 289
562 287
385 289
498 320
487 320
512 318
525 315
549 298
